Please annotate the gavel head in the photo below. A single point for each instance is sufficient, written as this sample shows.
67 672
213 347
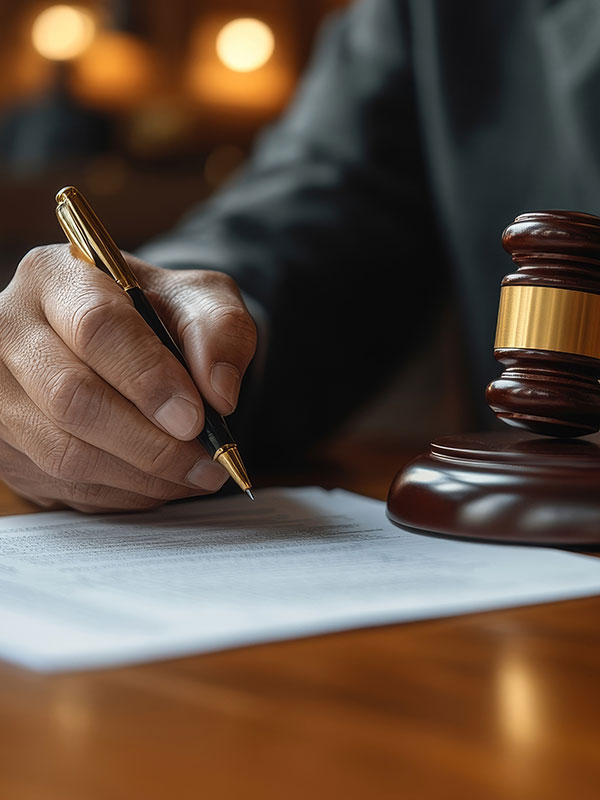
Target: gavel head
548 334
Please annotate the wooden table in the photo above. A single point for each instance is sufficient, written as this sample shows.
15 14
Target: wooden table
494 705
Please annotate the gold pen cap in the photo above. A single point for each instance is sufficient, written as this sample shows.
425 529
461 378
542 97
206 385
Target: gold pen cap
88 235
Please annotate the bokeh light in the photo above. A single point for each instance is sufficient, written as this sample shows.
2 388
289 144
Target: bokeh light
116 70
245 44
211 80
62 33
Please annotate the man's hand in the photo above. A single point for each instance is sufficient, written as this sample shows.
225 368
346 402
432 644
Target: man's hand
94 411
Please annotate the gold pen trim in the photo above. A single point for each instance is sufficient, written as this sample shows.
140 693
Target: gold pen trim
228 456
74 233
88 236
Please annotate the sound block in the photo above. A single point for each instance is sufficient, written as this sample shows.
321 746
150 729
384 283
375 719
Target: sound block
506 487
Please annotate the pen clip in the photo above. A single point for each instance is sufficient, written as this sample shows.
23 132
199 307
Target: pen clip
74 233
90 238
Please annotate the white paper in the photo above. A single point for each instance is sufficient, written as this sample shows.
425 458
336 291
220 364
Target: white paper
80 592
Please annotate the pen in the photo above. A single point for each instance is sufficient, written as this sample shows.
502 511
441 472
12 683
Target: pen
90 238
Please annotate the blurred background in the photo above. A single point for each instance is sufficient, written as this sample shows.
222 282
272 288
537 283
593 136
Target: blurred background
146 105
149 106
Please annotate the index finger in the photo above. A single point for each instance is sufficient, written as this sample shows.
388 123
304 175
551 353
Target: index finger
96 320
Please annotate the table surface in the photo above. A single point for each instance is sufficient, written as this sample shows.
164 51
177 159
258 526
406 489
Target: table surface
501 704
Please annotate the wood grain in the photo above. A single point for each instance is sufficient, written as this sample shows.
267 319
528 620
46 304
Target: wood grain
493 705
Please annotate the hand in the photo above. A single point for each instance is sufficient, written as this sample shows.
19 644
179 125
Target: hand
94 411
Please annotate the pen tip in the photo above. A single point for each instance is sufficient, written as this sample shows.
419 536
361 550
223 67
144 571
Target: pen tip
249 493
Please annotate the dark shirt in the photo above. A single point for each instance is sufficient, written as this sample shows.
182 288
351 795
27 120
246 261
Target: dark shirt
421 129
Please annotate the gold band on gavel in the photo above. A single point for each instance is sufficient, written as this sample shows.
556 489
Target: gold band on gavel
544 318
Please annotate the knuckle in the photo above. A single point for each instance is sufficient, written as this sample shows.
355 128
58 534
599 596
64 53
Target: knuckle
89 494
143 368
93 321
224 281
235 326
50 456
33 260
160 458
139 360
66 459
204 279
234 317
74 399
239 329
20 295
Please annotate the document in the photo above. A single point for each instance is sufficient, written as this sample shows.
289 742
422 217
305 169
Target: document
82 591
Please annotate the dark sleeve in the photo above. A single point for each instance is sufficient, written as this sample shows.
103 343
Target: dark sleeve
329 228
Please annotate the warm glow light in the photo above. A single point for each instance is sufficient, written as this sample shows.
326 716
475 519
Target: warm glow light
115 71
211 81
245 44
61 33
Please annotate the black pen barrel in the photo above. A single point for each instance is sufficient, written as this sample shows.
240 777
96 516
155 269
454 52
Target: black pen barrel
146 310
215 433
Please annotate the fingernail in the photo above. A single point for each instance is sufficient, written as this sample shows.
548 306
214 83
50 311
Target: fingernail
225 380
177 416
207 475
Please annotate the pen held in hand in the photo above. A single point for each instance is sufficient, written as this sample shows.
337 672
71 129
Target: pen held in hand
93 243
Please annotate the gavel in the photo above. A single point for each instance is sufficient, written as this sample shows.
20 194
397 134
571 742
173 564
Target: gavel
516 485
548 333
